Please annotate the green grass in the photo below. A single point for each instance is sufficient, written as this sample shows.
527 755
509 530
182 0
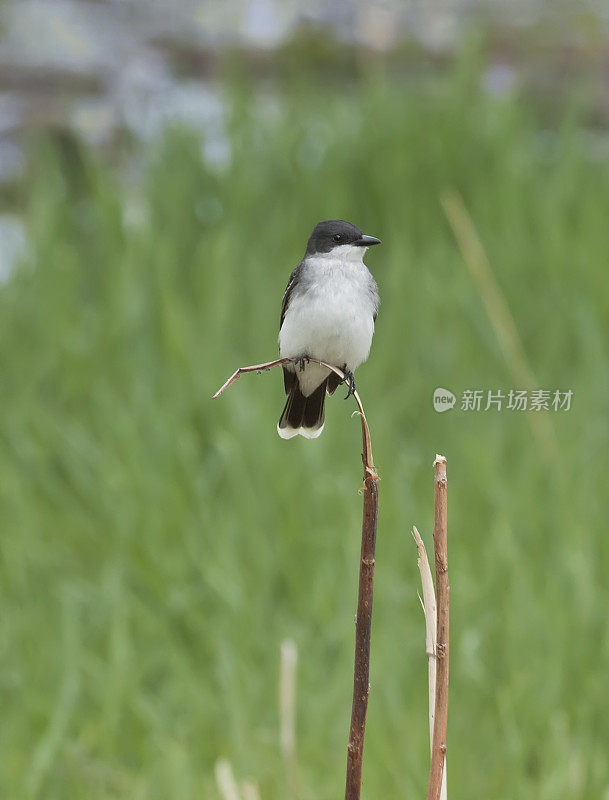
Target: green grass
156 546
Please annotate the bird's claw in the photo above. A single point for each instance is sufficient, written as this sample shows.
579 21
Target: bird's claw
350 381
301 362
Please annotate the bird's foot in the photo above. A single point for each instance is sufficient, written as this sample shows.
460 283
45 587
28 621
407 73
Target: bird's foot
301 360
349 380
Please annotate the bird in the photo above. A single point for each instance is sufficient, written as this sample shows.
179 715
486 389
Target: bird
328 313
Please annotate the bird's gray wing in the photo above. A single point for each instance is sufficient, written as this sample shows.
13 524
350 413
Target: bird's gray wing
376 301
289 376
294 278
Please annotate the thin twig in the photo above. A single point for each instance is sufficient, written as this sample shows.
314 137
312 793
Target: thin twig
279 362
431 622
438 750
287 714
252 368
363 619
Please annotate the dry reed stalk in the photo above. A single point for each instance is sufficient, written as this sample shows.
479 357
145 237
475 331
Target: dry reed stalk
363 627
438 750
431 623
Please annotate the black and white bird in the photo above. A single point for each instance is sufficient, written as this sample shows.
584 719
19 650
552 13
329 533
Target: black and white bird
328 313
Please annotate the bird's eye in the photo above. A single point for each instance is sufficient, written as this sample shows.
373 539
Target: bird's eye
337 237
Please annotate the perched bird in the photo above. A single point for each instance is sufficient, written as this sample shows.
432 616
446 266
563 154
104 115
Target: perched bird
328 312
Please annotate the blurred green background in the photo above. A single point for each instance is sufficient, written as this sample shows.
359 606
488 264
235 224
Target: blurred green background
156 547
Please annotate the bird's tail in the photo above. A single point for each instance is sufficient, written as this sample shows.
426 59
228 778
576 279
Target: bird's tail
303 415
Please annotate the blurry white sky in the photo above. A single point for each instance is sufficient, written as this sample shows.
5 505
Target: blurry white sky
88 36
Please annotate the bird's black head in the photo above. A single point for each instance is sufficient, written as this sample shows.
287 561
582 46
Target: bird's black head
335 233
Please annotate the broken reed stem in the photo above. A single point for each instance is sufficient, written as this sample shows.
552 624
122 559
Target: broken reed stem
429 609
438 750
431 623
363 620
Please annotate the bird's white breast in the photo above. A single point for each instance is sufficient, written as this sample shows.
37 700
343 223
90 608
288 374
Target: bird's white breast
330 315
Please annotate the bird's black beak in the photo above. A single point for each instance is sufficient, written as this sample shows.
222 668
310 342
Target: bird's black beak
366 241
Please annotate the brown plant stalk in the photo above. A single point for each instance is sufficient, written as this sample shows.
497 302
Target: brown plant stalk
438 750
363 625
363 620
